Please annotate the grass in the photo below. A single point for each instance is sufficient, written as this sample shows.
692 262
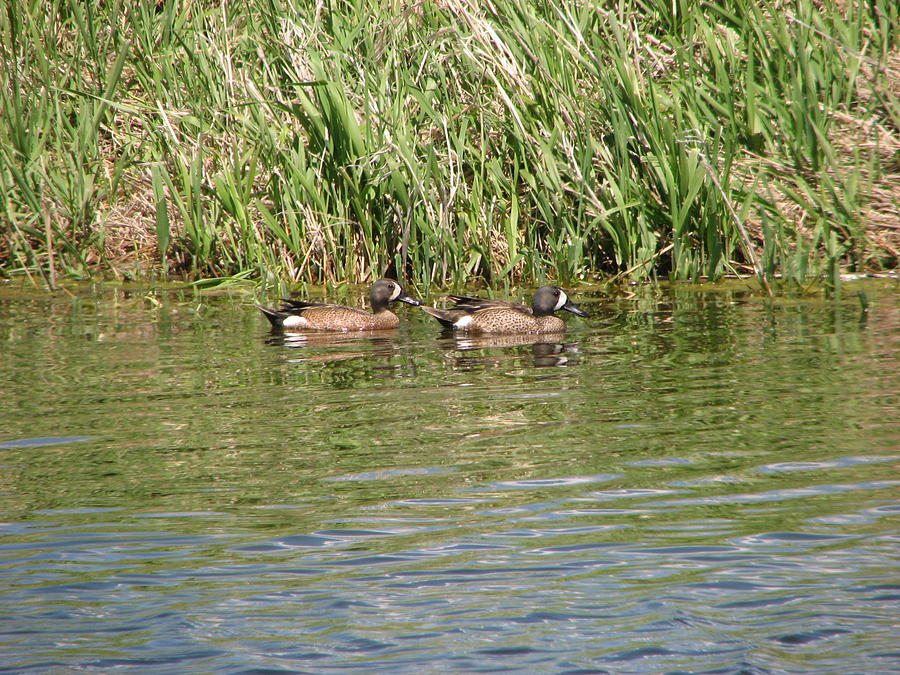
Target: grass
441 142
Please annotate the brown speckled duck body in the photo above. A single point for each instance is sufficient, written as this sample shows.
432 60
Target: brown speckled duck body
499 317
299 315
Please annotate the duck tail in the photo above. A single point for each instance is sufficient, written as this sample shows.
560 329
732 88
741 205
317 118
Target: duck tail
445 317
275 317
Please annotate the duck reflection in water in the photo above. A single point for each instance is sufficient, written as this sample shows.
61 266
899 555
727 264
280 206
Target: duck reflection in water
546 350
339 360
337 346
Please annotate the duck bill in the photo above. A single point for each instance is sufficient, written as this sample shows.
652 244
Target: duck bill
409 300
575 309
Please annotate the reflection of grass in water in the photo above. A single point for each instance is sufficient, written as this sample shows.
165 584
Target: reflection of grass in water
447 141
689 399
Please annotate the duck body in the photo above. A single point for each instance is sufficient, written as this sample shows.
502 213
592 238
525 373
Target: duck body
299 315
500 317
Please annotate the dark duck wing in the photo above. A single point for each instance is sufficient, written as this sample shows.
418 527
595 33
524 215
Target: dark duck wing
300 305
473 304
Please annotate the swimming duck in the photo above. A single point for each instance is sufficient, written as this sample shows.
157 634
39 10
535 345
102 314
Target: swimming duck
299 315
498 317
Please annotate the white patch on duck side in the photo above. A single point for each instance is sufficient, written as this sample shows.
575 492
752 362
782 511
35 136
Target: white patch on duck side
294 321
396 292
463 321
563 299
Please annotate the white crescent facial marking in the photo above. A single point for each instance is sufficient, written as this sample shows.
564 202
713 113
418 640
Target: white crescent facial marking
463 321
294 321
563 299
396 292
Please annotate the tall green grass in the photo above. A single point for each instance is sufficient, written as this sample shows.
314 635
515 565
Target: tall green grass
445 141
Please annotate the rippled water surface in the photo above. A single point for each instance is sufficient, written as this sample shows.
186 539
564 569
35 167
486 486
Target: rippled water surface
693 480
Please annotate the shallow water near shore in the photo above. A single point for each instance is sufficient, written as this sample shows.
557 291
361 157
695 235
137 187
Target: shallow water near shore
695 479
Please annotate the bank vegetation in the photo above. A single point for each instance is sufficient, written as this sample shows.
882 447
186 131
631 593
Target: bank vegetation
446 141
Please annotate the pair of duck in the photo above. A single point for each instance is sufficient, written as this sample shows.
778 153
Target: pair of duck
470 315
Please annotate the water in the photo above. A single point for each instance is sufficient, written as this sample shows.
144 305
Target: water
694 480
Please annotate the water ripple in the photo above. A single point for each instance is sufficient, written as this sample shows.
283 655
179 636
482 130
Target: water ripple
705 487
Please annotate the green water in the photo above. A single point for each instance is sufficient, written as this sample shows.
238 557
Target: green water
695 478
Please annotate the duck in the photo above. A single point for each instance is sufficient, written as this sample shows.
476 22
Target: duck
500 317
300 315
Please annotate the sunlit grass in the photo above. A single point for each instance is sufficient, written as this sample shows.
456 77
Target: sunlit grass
448 142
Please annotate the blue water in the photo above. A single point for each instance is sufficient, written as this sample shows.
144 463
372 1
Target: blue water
695 480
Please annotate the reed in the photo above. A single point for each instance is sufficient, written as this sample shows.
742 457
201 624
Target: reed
444 142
